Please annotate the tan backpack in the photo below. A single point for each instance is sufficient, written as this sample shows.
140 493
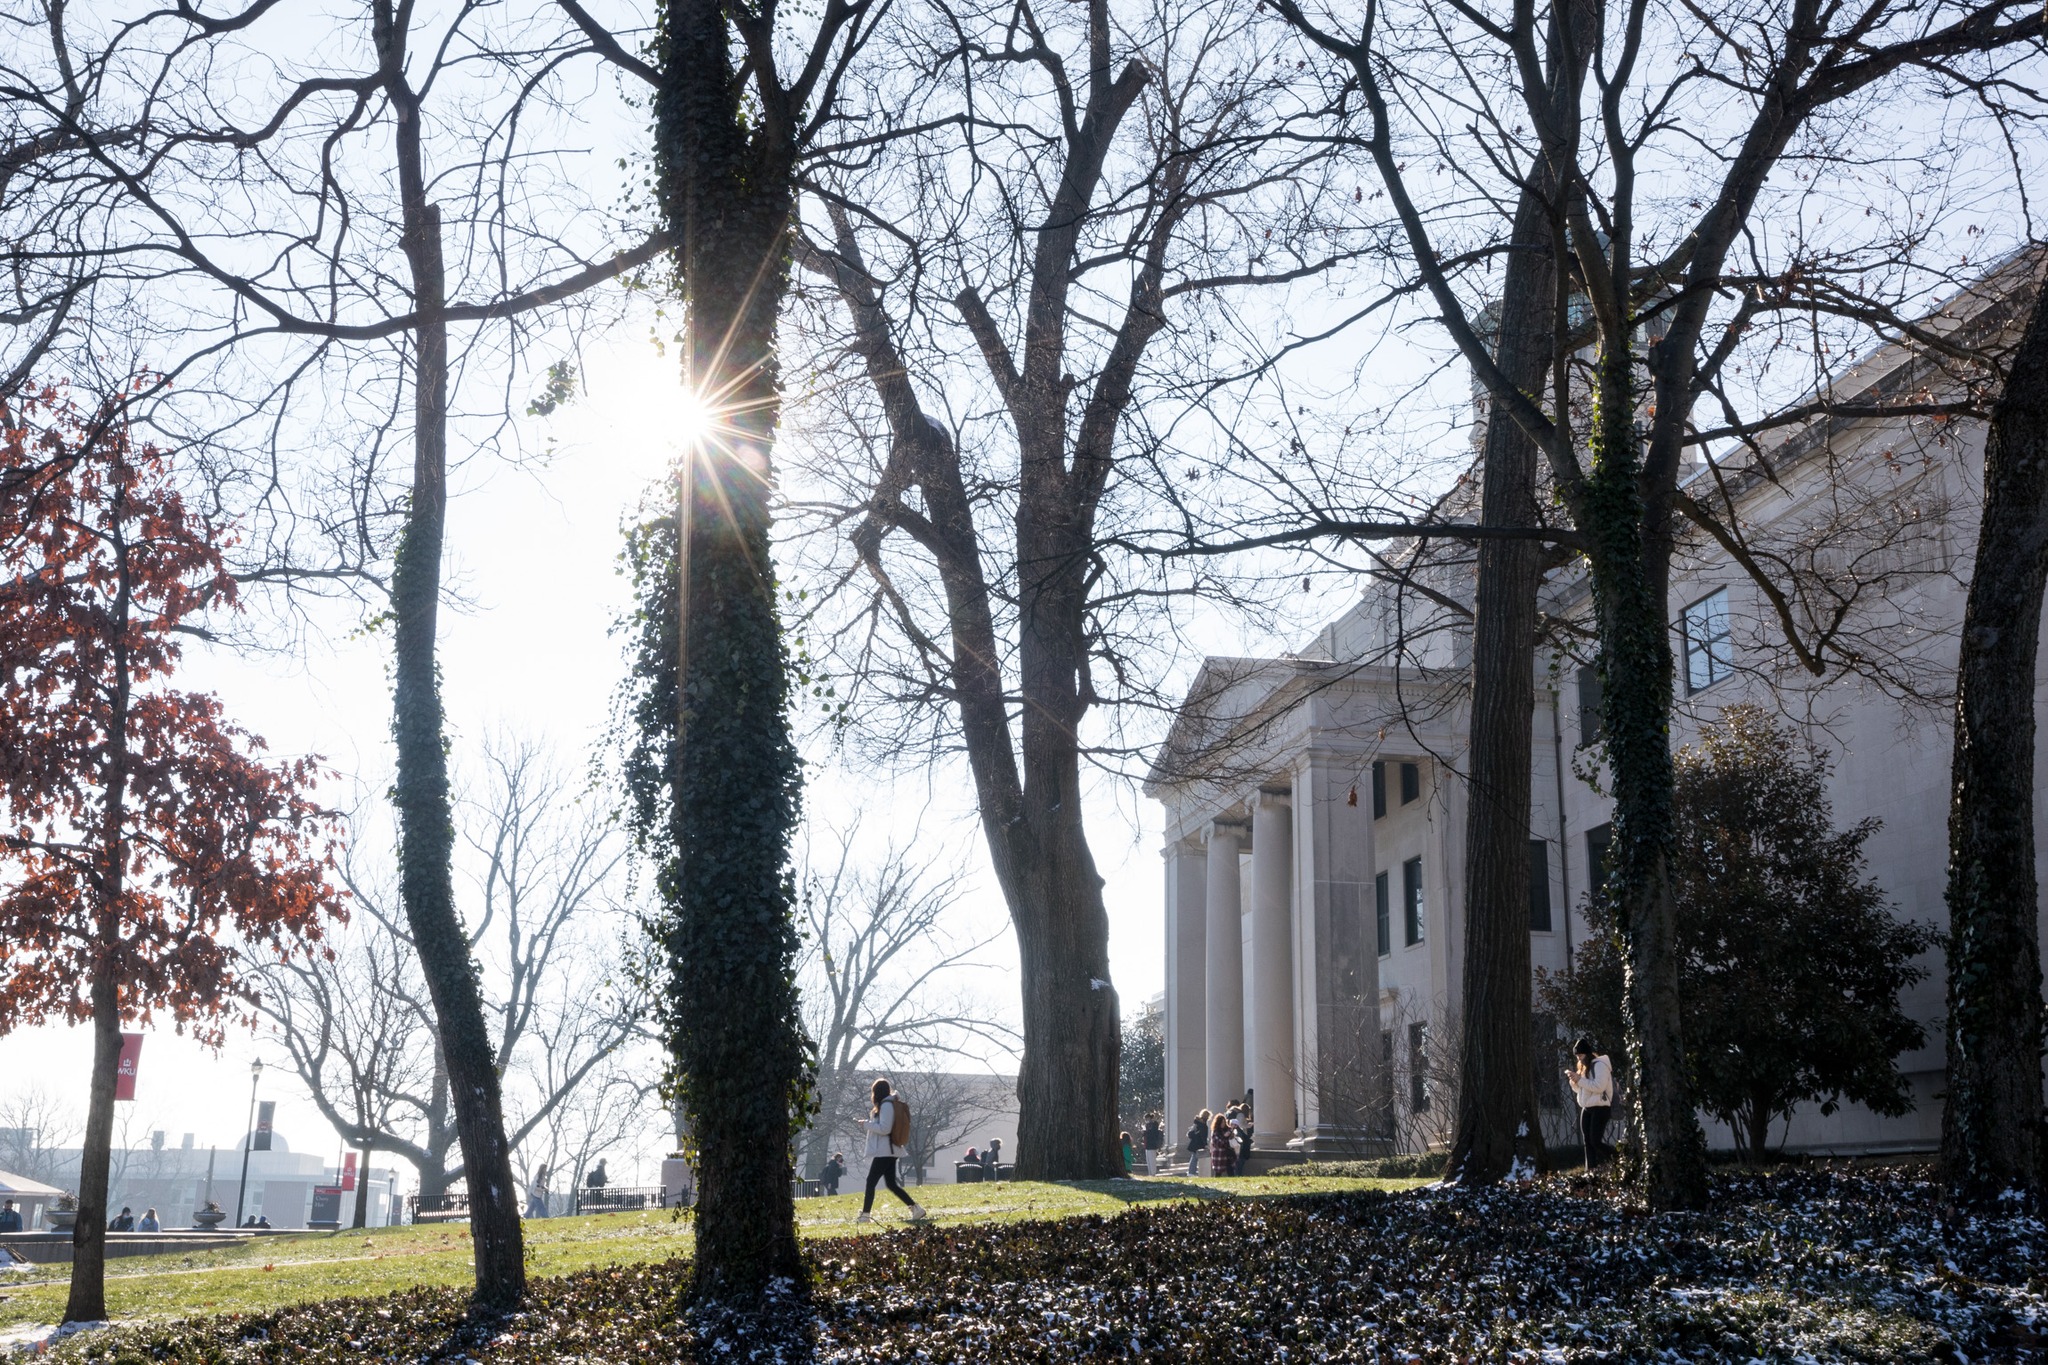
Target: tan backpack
899 1122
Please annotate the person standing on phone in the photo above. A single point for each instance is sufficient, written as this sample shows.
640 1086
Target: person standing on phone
1592 1082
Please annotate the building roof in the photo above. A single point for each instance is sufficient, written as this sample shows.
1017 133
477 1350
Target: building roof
12 1185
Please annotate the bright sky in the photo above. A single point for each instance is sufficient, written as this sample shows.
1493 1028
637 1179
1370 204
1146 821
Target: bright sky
533 550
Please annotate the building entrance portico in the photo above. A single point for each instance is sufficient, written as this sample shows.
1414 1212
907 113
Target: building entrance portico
1273 981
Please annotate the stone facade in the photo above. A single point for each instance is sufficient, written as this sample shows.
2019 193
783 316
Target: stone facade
1315 821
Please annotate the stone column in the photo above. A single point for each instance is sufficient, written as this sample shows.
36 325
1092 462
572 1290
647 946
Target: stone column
1338 960
1272 1062
1224 977
1187 946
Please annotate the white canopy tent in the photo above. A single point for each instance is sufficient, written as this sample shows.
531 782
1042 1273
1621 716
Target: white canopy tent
30 1196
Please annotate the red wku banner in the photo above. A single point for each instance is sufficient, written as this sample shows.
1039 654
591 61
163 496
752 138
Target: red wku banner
348 1171
131 1058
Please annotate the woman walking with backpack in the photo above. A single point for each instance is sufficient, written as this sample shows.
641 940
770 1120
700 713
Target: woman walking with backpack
888 1140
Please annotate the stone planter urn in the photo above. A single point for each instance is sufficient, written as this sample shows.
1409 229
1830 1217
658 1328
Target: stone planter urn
60 1220
209 1218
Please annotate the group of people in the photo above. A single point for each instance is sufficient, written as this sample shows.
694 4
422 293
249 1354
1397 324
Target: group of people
596 1178
989 1158
124 1221
1153 1138
1224 1135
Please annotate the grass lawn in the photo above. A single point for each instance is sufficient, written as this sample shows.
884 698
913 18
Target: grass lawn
293 1268
1821 1266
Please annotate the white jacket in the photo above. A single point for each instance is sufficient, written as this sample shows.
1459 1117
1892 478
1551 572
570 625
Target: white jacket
878 1132
1596 1087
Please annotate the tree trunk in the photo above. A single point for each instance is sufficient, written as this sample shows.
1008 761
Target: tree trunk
741 1055
426 823
1630 559
362 1213
1991 1133
1066 1087
88 1301
1497 1092
1759 1125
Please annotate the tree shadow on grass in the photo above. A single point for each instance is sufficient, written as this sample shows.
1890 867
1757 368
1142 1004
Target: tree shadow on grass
1152 1190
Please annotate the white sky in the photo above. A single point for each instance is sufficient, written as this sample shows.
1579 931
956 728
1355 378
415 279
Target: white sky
534 551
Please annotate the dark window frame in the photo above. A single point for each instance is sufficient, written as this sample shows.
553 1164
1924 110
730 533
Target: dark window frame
1411 783
1709 647
1383 913
1414 910
1540 920
1599 840
1379 790
1591 698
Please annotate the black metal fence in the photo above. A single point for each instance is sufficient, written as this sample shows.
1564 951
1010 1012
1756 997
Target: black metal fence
450 1208
438 1208
620 1198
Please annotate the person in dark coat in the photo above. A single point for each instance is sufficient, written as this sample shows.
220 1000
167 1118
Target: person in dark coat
124 1221
834 1172
1198 1139
10 1217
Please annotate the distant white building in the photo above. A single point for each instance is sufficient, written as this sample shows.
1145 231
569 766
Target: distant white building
175 1182
1315 822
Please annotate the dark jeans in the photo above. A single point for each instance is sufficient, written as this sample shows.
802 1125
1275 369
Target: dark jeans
882 1170
1593 1129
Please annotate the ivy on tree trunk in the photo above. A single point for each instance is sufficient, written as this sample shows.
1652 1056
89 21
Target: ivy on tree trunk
742 1063
426 821
1629 552
1992 1137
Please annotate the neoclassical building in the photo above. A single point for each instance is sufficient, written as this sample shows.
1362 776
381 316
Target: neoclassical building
1314 811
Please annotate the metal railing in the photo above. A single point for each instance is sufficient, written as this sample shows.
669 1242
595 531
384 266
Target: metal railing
620 1198
438 1208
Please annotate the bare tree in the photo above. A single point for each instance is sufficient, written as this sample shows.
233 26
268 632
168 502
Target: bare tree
552 937
881 973
946 1108
1029 296
304 285
34 1124
713 773
1666 302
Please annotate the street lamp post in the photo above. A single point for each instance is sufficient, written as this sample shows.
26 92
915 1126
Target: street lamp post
248 1137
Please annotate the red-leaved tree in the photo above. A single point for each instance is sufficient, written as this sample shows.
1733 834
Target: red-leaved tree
146 850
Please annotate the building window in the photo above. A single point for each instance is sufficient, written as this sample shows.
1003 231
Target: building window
1709 657
1383 914
1418 1068
1539 885
1590 726
1597 840
1379 790
1411 782
1411 898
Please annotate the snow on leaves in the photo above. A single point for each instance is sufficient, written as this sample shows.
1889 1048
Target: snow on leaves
1804 1265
